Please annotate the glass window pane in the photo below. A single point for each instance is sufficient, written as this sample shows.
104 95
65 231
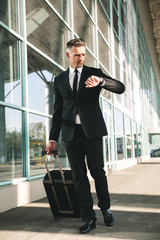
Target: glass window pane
104 53
116 45
105 4
127 102
118 121
120 147
117 69
46 31
103 22
90 61
83 25
90 6
106 94
11 15
39 128
107 148
129 147
38 131
123 14
106 105
115 4
62 7
117 72
10 144
134 129
155 139
41 74
10 74
127 126
115 21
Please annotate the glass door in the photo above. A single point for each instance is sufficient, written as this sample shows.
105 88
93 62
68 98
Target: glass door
108 142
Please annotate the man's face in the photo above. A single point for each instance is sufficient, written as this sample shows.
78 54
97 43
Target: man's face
76 56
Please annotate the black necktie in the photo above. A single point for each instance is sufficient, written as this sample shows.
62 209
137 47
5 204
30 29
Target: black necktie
75 82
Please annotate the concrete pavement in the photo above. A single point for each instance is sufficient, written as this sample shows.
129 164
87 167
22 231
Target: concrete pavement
135 198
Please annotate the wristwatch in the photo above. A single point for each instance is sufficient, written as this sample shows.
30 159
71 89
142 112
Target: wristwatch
101 80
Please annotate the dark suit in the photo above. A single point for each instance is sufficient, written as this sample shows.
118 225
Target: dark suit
85 139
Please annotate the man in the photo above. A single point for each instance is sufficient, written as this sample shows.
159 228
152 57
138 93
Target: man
78 114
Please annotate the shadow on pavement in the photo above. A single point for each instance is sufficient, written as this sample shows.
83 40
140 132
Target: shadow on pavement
133 214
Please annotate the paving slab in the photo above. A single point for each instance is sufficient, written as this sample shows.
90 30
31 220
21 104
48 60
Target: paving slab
135 199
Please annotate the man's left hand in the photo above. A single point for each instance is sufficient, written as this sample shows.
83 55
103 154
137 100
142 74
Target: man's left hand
92 81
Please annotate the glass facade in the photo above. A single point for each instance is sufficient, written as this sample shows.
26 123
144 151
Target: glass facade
11 144
11 14
33 36
11 81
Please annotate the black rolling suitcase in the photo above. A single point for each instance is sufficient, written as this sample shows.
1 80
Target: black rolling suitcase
60 191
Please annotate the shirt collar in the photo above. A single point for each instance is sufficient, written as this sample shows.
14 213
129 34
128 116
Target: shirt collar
72 69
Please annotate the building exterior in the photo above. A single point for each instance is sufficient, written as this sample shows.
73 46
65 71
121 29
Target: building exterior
33 36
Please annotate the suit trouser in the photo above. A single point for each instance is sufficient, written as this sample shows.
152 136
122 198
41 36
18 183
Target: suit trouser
76 150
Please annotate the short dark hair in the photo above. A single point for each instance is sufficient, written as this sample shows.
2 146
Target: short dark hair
77 42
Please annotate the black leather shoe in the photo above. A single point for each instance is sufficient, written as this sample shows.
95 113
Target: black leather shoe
108 218
88 226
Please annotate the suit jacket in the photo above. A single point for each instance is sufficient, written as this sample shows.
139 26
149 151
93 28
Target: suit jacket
86 102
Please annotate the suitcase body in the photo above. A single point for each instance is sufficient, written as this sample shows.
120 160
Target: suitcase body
61 192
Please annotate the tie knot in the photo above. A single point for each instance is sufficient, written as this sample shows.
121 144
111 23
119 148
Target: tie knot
76 71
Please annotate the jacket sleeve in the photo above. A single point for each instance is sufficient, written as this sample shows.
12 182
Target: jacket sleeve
57 115
111 84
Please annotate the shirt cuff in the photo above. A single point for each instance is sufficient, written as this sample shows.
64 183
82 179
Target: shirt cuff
52 141
102 82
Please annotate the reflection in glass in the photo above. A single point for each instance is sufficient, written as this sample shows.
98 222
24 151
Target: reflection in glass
127 126
39 128
123 24
83 25
46 31
134 132
106 104
10 14
103 22
134 129
106 94
155 139
90 6
105 4
10 76
37 142
127 102
117 72
118 122
41 75
104 53
120 147
10 143
116 45
90 61
129 147
115 21
107 149
115 4
135 147
62 7
139 150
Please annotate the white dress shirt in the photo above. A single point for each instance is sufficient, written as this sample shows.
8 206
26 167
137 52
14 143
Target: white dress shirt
71 78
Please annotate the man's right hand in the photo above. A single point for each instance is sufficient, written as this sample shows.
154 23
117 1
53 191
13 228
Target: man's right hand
51 146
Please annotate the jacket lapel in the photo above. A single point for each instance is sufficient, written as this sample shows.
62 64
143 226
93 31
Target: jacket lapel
84 76
68 84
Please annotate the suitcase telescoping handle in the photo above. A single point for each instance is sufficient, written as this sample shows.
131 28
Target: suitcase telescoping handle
63 180
59 164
